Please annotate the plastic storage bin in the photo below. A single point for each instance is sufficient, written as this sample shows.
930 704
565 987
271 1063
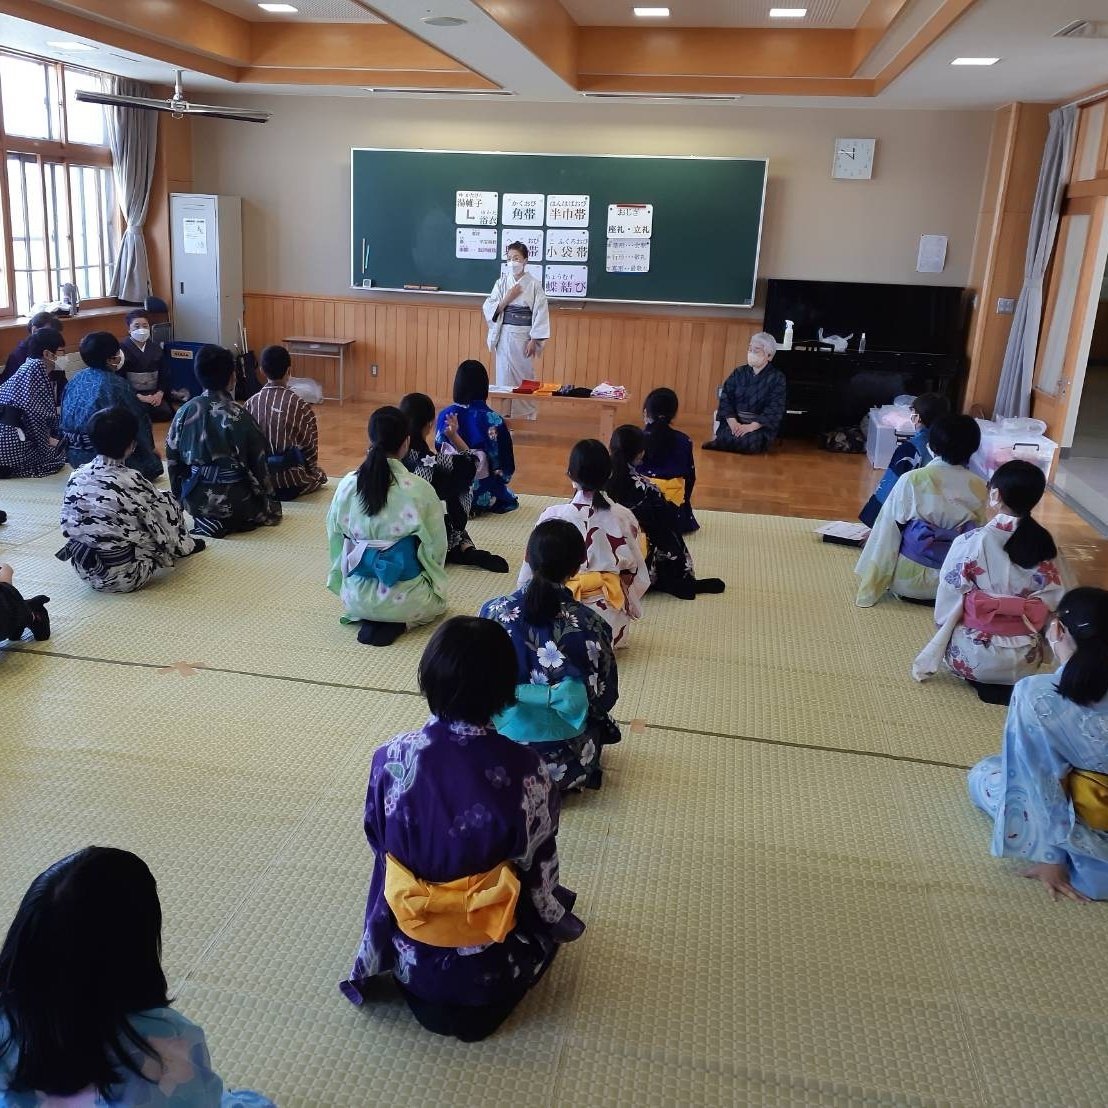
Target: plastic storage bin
1012 439
886 428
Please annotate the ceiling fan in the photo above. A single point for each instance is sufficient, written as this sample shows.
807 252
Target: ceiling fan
176 105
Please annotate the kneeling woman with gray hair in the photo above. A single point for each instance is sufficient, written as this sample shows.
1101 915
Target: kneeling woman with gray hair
751 402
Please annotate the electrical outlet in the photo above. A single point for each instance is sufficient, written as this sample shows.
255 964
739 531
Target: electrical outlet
373 370
1005 306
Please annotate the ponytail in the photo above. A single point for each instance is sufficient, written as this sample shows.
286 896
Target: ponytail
1084 614
1020 486
590 466
660 409
626 445
555 552
388 429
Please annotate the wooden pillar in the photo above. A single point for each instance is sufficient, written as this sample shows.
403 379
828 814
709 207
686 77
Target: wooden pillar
1000 248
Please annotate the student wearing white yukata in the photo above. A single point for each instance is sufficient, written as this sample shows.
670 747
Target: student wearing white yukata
614 576
1047 790
997 589
519 325
121 529
926 511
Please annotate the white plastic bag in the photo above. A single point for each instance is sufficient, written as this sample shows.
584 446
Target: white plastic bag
308 390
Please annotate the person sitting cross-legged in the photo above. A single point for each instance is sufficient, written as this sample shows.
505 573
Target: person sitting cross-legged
217 455
290 428
121 529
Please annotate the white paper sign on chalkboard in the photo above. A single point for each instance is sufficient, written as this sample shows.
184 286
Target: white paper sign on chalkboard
476 242
567 280
628 256
530 238
630 221
567 246
567 210
523 209
476 209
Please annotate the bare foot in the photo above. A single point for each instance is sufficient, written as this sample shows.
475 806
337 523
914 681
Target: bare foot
6 574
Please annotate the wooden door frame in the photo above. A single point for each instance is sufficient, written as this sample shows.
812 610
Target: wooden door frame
1059 409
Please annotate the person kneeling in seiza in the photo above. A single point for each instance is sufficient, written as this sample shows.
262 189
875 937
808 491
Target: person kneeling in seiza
926 511
465 910
121 529
216 455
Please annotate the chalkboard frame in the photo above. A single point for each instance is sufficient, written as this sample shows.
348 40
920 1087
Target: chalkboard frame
574 301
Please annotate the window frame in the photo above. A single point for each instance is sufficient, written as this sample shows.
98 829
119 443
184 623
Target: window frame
65 154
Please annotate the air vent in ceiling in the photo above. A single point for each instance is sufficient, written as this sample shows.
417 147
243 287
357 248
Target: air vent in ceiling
409 90
1083 28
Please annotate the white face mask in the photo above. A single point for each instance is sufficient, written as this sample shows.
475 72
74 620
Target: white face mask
140 334
756 357
115 362
517 268
994 499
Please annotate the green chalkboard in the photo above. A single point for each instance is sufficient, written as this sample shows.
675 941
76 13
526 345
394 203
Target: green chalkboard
704 236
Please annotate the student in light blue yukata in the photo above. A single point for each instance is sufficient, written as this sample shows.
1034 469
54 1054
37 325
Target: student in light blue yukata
1047 790
84 1011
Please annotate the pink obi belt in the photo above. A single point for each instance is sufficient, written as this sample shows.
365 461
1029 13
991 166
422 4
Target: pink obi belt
1010 616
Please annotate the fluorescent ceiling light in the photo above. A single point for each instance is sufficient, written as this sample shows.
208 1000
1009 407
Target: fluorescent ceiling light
69 45
442 20
278 9
787 13
652 13
975 61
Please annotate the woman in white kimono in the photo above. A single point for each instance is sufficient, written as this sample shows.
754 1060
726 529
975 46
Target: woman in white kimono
997 589
926 511
1047 790
613 578
387 539
519 325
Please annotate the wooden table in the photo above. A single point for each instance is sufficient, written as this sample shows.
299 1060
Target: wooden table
604 406
318 346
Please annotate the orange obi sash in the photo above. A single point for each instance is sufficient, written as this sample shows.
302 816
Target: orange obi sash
672 488
1004 615
468 911
592 585
1089 794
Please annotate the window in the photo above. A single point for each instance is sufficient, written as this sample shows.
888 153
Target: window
60 212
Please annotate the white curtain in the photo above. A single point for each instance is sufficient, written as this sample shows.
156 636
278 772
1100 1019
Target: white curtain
1013 395
133 137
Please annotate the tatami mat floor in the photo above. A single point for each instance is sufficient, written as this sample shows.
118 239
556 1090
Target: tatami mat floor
788 895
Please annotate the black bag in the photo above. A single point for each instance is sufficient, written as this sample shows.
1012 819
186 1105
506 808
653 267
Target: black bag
843 440
246 376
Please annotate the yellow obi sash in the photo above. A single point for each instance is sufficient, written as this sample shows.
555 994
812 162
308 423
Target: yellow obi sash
591 585
672 488
468 911
1089 793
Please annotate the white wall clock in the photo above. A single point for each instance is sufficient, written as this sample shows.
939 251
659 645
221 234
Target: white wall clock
853 159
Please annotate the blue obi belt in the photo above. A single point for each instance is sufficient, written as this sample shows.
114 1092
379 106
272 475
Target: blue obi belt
545 713
927 544
213 473
398 562
92 559
290 459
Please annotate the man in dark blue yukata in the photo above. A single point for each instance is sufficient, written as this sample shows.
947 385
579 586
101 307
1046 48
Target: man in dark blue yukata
751 402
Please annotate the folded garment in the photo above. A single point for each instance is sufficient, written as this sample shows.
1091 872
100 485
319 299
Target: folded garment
527 387
570 390
547 388
607 391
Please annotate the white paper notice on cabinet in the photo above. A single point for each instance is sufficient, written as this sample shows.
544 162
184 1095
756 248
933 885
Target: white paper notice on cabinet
476 242
567 210
194 235
567 246
567 280
534 270
630 221
523 209
531 238
628 256
476 209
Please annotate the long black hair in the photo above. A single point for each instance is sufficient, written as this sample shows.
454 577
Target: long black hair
1083 613
419 411
387 431
660 409
626 445
590 466
82 955
471 382
555 552
1020 486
